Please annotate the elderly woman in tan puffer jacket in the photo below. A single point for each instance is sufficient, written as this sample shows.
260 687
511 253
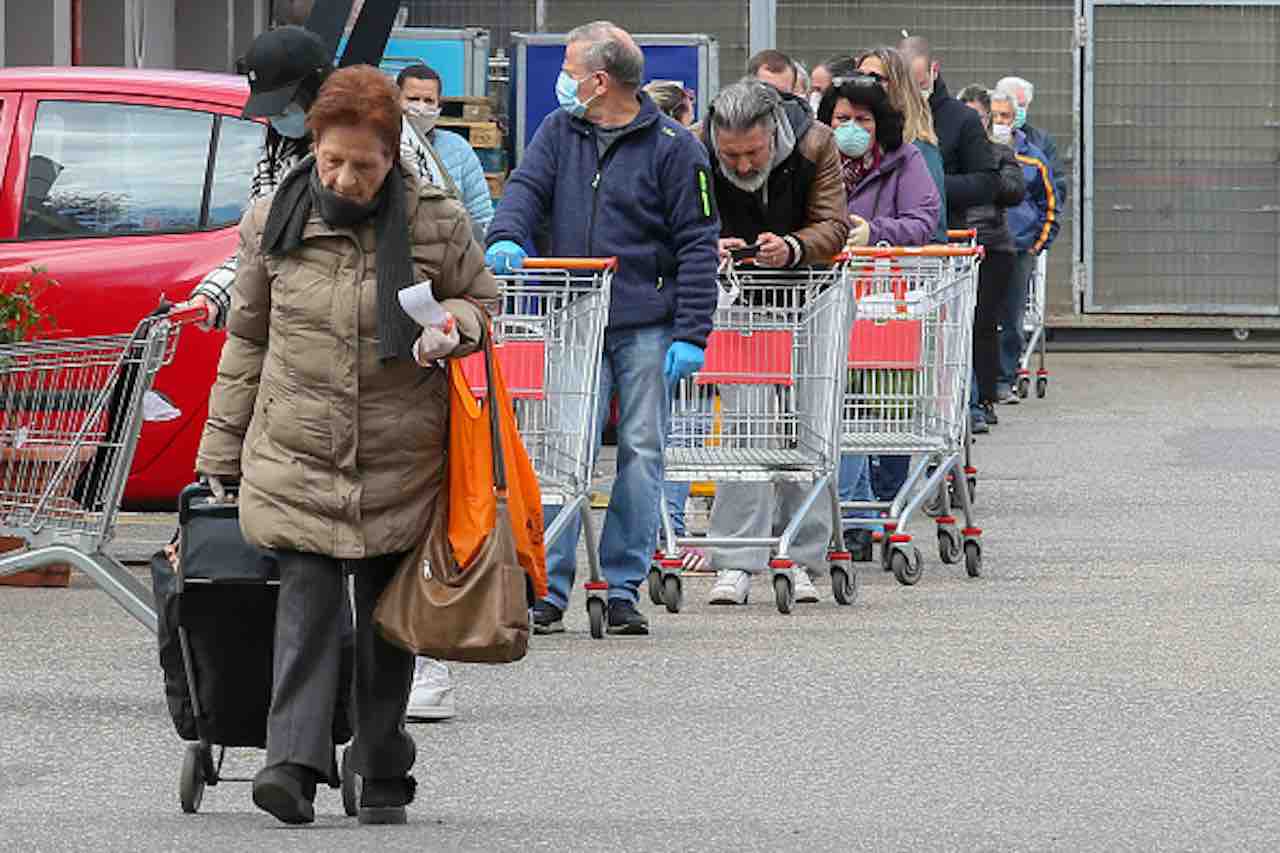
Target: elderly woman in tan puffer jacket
331 410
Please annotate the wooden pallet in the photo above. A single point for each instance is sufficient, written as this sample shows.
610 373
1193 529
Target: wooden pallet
481 134
467 108
496 181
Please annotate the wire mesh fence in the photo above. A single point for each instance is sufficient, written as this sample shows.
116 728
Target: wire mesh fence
1186 159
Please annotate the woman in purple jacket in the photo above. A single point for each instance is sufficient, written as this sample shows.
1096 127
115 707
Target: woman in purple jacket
888 183
892 199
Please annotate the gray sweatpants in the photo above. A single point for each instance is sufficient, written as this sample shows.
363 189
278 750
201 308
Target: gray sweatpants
765 509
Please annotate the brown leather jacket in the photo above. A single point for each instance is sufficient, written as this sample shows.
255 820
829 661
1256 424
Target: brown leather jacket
805 192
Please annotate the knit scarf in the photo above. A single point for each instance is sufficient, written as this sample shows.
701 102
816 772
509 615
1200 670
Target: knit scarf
854 169
290 210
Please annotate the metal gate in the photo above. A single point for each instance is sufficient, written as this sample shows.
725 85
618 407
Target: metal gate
1181 167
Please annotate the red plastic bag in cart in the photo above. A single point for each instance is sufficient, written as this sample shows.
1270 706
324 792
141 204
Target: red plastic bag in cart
473 505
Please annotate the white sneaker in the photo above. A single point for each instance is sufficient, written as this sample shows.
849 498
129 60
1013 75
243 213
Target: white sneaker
806 592
732 587
432 694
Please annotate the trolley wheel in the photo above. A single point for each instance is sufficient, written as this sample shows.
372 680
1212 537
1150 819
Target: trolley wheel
1024 387
595 613
655 587
907 569
1042 387
934 507
973 558
350 785
949 546
784 592
672 593
844 584
191 782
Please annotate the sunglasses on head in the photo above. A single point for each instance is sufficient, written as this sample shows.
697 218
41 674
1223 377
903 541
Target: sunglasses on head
861 77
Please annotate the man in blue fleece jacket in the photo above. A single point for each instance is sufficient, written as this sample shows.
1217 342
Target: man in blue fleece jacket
609 175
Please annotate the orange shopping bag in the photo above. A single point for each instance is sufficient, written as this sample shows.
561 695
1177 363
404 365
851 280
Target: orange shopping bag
473 502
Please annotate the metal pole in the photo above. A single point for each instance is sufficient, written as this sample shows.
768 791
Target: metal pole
762 25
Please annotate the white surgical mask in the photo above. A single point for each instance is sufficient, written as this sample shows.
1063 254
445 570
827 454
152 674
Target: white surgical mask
1002 133
292 123
422 116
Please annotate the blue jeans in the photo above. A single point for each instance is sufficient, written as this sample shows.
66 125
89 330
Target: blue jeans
632 367
689 429
1012 338
855 481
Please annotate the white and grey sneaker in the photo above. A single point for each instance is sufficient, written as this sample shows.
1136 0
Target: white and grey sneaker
732 587
432 694
806 592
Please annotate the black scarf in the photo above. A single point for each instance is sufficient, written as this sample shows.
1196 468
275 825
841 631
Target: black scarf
290 210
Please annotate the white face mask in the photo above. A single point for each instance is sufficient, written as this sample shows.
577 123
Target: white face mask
1002 133
422 116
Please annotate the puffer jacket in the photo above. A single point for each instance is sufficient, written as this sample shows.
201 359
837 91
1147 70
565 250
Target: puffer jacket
338 452
989 218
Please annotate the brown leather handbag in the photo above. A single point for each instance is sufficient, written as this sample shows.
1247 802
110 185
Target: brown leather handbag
477 613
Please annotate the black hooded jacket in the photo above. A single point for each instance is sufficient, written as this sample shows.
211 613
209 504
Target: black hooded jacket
967 158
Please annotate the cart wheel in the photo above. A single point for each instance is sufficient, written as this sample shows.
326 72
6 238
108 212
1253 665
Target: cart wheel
949 547
191 783
784 592
1024 387
350 785
973 558
907 569
673 593
844 585
934 507
655 587
595 612
1042 387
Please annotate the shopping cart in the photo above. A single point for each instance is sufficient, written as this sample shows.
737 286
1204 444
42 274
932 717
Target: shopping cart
775 357
1033 329
909 374
548 339
70 416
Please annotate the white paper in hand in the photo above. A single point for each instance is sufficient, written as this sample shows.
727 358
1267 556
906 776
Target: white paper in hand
419 302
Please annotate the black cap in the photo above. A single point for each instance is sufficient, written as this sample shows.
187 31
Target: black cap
277 64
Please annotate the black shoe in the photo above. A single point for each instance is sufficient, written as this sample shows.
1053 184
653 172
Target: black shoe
625 619
383 800
989 412
978 424
286 791
547 618
857 541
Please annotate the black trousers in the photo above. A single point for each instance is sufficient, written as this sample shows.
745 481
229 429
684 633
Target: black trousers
308 655
994 278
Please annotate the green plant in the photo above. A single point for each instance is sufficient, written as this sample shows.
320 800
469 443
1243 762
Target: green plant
21 317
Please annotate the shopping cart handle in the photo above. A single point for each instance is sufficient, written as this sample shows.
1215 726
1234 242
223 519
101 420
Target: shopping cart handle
962 233
195 314
570 264
915 252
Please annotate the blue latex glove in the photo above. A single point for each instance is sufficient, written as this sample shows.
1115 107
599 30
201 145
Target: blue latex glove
683 359
505 256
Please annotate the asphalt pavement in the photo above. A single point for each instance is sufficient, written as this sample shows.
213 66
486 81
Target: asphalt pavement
1105 686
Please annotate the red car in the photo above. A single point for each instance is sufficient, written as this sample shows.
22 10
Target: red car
126 185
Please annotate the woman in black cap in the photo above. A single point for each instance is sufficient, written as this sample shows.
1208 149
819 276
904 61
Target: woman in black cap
285 67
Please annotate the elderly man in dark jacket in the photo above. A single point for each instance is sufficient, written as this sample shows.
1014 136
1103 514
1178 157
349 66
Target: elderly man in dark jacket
609 175
780 189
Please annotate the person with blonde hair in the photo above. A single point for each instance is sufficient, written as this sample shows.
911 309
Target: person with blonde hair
672 98
888 65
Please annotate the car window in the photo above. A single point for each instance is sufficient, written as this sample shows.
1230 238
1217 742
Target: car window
239 149
102 169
